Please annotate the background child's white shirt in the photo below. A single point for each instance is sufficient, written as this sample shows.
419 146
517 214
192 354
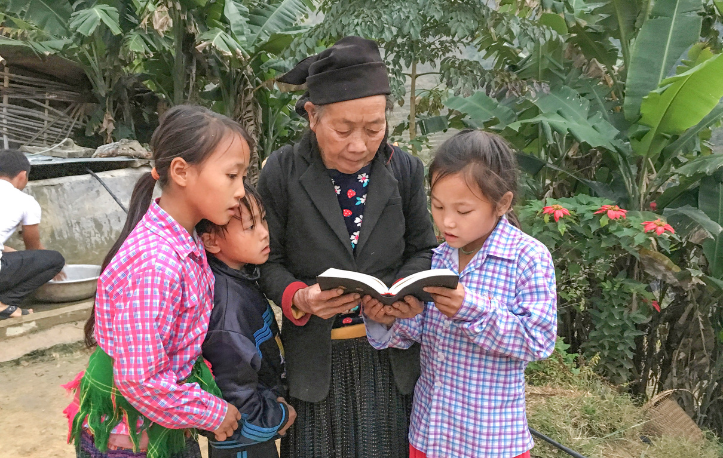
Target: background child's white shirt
16 208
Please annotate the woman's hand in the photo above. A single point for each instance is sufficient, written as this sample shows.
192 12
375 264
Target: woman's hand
324 304
229 424
447 300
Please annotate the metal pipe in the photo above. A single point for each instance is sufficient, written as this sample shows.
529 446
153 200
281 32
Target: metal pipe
117 200
556 444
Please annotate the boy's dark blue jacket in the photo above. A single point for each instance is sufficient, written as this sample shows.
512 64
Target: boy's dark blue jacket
244 353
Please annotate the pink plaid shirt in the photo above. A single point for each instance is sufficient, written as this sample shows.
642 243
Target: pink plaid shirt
152 309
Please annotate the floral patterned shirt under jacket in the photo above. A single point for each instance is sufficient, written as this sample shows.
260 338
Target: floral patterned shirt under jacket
351 191
470 398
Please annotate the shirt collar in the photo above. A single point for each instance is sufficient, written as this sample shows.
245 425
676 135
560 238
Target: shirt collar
160 222
7 184
500 244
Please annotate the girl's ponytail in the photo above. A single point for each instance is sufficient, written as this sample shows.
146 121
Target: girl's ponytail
140 202
513 219
185 131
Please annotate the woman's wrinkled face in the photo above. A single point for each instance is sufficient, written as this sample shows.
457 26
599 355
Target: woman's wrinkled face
349 133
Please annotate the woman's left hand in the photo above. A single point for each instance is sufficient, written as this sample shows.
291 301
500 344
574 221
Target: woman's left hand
447 300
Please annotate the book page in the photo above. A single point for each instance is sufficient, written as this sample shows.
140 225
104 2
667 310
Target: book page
369 280
401 284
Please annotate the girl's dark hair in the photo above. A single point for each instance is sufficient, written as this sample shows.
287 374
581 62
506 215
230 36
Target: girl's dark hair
206 226
186 131
486 161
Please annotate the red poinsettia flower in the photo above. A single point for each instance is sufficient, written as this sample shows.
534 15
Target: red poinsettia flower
659 226
656 306
558 211
613 211
653 206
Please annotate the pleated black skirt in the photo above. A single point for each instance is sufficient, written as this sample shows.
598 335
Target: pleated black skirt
364 415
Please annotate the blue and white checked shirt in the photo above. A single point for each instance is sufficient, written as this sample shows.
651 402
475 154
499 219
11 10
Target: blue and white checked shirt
470 398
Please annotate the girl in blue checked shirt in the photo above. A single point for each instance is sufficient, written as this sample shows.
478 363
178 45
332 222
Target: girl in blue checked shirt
476 339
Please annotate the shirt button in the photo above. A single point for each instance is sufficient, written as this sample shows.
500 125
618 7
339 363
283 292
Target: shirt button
437 385
440 357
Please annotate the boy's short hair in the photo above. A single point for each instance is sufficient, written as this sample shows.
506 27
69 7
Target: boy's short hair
12 162
205 226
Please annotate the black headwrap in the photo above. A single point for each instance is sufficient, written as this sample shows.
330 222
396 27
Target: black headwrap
351 69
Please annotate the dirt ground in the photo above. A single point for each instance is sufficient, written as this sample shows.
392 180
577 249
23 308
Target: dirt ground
32 403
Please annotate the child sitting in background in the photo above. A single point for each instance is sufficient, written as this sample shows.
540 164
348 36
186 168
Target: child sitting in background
242 343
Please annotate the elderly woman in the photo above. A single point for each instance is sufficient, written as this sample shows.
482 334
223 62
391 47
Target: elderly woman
343 197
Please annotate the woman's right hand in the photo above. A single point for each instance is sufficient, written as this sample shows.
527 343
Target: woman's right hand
229 424
324 304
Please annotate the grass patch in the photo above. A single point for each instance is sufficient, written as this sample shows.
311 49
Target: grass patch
578 409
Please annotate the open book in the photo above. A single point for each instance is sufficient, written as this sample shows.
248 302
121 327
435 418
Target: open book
355 282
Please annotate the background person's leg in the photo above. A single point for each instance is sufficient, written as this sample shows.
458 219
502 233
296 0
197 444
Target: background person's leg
23 272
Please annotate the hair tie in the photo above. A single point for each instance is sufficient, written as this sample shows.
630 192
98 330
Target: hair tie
154 174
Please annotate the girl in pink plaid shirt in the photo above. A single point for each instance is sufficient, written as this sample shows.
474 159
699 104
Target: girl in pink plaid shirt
478 338
147 387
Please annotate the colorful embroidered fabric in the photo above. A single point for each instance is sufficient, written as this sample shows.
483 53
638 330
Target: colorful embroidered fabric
351 191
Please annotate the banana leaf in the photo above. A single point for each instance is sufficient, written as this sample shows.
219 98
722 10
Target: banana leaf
680 103
673 26
710 201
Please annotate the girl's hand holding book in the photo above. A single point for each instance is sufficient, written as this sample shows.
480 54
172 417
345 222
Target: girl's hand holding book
387 314
229 424
448 301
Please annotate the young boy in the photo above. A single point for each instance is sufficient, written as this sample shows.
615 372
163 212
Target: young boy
242 343
21 272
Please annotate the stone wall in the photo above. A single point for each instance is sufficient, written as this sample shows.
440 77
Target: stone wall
80 219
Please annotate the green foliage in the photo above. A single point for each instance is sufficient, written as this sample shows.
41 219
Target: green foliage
593 254
672 27
560 369
221 53
596 421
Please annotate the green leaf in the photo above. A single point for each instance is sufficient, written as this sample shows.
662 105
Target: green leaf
533 164
706 165
136 43
482 108
618 17
719 6
279 42
673 26
51 16
86 21
275 17
567 112
696 215
236 14
710 201
709 120
555 22
221 41
680 103
432 124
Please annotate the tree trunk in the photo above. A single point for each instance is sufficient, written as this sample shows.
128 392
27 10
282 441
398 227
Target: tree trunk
413 107
248 113
179 67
